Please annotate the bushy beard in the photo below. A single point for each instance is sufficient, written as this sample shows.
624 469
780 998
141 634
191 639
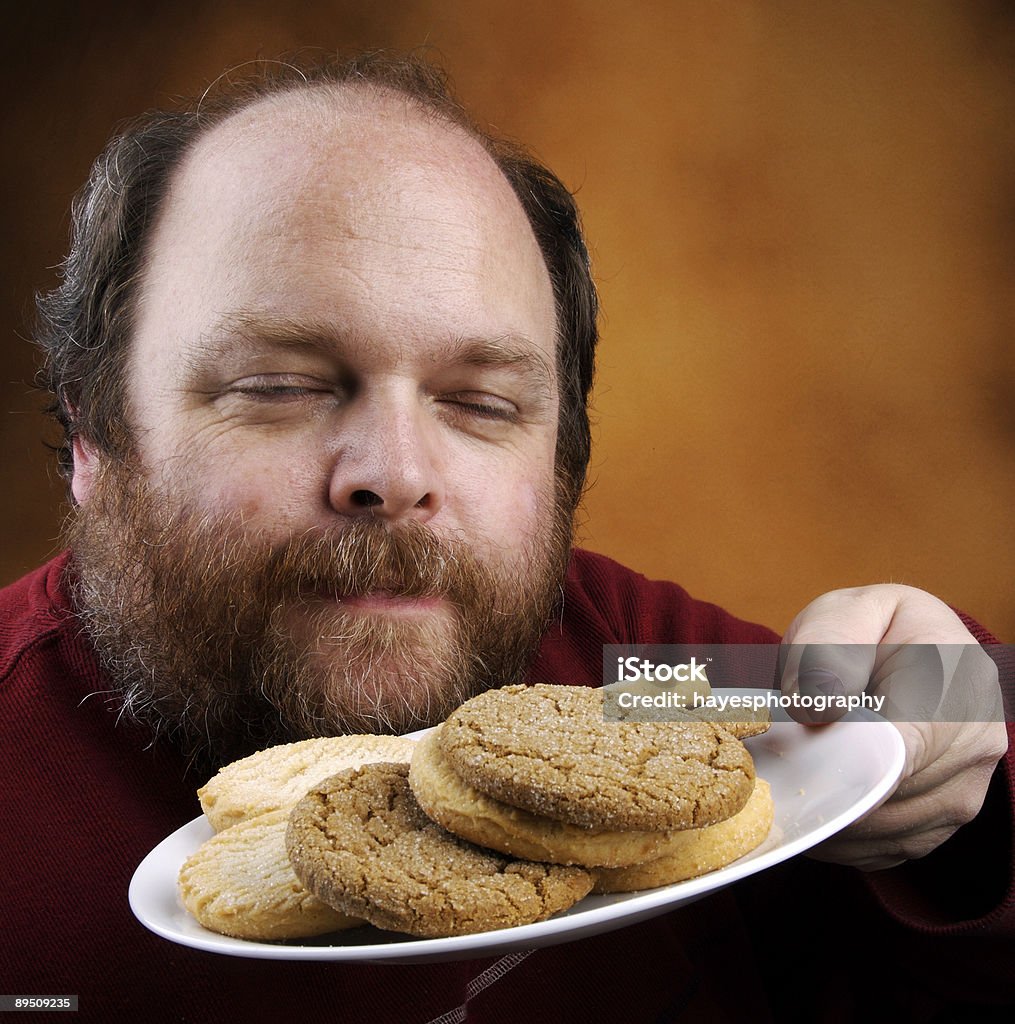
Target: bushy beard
224 641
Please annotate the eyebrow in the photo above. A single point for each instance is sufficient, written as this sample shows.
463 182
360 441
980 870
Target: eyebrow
237 331
509 352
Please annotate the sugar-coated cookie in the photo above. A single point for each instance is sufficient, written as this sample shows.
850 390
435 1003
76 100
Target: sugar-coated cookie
748 721
548 750
481 819
361 842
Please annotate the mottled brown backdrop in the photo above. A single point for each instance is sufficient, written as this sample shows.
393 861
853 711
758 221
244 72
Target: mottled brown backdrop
801 217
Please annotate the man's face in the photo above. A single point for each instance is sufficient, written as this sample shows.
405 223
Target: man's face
345 329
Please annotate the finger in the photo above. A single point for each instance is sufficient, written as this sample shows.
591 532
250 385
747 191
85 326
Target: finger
886 839
929 805
942 753
911 679
860 615
820 676
832 648
927 682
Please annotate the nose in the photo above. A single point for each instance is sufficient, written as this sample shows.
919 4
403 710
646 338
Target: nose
386 465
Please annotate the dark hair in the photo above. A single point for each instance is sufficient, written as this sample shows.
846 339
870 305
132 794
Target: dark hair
84 325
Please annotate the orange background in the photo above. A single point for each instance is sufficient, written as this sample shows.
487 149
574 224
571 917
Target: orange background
801 220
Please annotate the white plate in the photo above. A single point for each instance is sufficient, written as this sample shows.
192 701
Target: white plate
822 779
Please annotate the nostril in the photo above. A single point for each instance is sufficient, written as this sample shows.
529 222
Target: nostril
366 499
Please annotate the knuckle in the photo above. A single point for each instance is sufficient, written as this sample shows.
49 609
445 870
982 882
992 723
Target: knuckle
998 743
964 810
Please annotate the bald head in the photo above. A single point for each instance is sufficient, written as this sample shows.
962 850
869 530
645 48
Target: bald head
86 326
305 182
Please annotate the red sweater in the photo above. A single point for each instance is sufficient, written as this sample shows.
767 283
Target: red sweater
83 800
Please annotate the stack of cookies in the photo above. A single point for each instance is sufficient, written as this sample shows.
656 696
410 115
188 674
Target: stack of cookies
524 801
536 772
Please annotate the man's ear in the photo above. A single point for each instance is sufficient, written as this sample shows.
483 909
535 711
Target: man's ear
86 465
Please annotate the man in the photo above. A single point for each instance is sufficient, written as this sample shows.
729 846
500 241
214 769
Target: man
322 354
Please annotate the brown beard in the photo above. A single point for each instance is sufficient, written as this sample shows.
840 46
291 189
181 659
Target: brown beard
225 642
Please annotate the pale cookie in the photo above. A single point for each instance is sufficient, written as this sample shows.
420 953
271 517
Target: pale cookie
240 883
361 842
697 851
479 818
277 778
547 750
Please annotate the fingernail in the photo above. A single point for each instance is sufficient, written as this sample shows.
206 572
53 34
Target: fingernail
820 682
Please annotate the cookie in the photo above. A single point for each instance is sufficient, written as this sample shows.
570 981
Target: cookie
742 722
479 818
277 777
361 842
695 852
547 749
749 721
240 883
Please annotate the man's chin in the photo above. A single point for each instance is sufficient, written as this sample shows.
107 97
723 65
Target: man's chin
371 669
389 695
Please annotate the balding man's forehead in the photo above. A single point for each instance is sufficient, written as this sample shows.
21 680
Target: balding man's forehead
288 195
337 159
287 155
327 119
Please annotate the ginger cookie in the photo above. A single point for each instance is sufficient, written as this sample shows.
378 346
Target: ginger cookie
277 777
748 721
548 750
695 852
240 883
481 819
361 842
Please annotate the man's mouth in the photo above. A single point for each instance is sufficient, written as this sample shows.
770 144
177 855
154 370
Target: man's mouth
386 602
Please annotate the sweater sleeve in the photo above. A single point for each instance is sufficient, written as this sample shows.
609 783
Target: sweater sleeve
956 906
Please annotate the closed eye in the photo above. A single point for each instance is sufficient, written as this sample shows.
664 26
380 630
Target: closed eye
281 387
485 406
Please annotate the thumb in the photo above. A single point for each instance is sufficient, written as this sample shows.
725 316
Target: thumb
818 676
829 652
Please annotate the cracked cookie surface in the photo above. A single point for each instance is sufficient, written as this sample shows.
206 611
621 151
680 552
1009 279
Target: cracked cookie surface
548 750
361 843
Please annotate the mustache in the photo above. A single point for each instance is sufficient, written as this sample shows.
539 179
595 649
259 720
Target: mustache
368 556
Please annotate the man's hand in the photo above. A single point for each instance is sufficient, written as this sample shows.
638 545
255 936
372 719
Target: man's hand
866 635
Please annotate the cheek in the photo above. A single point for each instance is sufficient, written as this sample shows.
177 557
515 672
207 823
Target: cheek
506 511
264 484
